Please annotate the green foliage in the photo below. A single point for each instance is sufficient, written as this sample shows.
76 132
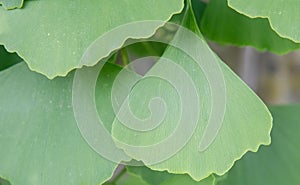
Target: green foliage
8 59
230 27
59 31
164 178
4 182
39 139
40 143
284 16
278 163
150 176
243 129
126 179
11 4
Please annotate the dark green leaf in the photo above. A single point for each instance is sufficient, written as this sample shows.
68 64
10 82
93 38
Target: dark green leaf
7 59
284 16
230 27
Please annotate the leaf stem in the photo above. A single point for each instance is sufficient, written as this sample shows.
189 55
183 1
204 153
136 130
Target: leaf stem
125 58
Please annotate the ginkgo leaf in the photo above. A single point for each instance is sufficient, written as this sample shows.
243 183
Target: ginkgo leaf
283 16
230 27
59 32
195 134
39 138
164 178
11 4
278 163
8 59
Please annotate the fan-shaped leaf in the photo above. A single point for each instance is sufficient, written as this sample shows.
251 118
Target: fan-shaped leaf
52 35
246 125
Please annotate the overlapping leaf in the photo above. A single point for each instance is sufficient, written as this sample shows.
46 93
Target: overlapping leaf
278 163
39 139
246 125
145 176
164 178
7 59
128 179
150 176
52 35
284 16
11 4
230 27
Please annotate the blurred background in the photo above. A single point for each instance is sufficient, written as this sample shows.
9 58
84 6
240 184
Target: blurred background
274 78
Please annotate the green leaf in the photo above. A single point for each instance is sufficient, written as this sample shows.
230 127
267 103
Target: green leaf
178 180
130 179
198 9
230 27
165 178
284 16
150 176
59 32
4 182
144 49
11 4
7 59
39 138
245 126
278 163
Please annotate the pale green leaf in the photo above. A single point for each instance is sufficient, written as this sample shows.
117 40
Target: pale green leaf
246 125
11 4
284 16
230 27
39 138
278 163
52 35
